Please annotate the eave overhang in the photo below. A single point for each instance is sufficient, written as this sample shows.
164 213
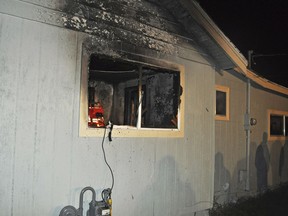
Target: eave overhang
224 43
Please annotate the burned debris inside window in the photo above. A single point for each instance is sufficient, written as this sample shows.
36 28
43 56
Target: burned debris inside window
132 94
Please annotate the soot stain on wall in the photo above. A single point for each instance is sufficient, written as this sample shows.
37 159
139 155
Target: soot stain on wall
103 20
109 25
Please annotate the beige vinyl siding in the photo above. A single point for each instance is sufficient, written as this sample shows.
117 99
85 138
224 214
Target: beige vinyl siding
230 137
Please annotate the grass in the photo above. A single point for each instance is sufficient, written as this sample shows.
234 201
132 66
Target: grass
272 203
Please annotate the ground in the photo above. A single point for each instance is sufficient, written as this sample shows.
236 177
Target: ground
272 203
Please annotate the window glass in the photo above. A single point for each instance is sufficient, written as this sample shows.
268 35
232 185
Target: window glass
220 103
276 125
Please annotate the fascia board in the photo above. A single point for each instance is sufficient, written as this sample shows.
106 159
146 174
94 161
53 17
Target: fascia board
240 61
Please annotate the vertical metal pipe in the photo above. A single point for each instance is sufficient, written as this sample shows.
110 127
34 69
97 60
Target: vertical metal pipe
284 128
247 125
250 53
248 132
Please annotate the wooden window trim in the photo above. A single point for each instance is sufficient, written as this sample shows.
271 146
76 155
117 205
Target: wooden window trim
275 112
126 131
227 91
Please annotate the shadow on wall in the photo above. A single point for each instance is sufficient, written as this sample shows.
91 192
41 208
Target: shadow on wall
238 182
274 162
222 180
168 195
253 169
262 163
283 163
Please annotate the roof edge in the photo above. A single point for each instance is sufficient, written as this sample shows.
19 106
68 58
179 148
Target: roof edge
266 83
206 22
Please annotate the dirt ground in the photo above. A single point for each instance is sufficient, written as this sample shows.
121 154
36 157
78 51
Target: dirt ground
272 203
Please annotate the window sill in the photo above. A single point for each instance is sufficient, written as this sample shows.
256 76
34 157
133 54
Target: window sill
127 131
221 118
275 138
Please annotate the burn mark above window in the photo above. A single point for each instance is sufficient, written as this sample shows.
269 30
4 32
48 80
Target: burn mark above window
133 94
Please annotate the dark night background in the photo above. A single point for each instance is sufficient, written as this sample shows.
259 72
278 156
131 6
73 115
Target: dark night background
258 25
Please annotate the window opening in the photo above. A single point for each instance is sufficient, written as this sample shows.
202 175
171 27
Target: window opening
131 94
222 103
278 124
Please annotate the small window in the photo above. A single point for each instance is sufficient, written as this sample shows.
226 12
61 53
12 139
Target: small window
133 96
277 122
276 125
222 103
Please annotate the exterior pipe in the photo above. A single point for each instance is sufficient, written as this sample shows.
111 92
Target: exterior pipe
248 133
247 125
80 210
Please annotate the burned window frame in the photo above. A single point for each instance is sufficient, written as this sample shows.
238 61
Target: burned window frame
128 131
226 91
283 117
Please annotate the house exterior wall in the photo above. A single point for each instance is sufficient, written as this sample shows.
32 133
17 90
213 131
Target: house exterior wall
267 101
230 138
44 162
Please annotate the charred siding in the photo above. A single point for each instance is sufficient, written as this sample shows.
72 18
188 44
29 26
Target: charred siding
141 26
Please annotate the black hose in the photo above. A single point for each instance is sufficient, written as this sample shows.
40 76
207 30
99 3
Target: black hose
104 154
